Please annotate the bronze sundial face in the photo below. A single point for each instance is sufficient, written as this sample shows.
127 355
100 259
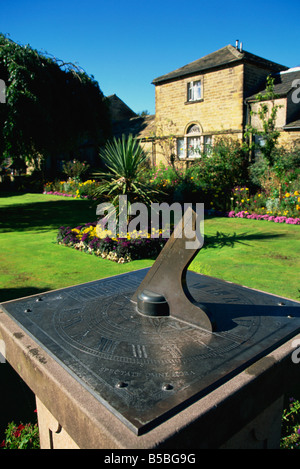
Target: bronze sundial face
145 368
146 362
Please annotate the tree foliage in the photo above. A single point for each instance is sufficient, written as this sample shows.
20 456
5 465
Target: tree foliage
267 113
51 106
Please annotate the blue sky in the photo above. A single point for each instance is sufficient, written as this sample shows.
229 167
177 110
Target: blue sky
125 44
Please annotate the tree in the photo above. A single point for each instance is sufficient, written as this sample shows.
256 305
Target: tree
51 106
269 170
267 114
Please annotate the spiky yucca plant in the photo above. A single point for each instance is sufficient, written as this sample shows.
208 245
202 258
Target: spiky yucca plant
124 159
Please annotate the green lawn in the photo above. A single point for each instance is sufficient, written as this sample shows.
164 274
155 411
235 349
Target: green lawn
31 261
258 254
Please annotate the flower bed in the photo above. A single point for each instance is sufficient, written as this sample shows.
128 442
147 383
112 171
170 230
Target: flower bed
262 207
261 204
63 194
92 239
71 188
266 217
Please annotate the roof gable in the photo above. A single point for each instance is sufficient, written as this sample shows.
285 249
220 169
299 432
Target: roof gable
118 109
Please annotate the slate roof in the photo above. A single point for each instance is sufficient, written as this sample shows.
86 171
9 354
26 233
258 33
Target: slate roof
283 85
283 82
222 57
295 125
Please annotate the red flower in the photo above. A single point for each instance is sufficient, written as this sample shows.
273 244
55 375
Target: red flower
17 433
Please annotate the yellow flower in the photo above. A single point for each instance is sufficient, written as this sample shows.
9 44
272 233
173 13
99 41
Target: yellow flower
296 193
102 233
287 194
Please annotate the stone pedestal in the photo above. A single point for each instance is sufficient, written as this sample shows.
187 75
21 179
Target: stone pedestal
244 412
52 435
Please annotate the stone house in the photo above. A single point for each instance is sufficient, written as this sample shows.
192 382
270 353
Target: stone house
287 92
209 98
206 99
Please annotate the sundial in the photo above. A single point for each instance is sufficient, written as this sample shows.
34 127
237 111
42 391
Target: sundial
149 343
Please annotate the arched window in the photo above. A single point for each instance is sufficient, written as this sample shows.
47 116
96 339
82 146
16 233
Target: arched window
193 143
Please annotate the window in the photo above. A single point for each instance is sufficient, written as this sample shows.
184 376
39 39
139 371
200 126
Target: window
180 148
193 143
194 91
259 142
207 144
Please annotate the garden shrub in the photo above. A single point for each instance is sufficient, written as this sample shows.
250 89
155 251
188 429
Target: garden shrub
209 179
283 176
218 172
21 436
291 425
75 169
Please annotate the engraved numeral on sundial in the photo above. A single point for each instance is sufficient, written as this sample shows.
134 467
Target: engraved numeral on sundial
172 350
139 351
106 345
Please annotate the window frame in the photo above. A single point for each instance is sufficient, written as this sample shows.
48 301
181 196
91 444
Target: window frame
183 151
192 86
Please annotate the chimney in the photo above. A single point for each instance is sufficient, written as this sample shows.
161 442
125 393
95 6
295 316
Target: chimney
241 47
237 44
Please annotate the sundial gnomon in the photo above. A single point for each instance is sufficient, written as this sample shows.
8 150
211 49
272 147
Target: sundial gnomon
150 342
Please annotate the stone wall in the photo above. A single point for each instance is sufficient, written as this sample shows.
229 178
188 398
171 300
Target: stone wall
289 139
280 117
221 107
